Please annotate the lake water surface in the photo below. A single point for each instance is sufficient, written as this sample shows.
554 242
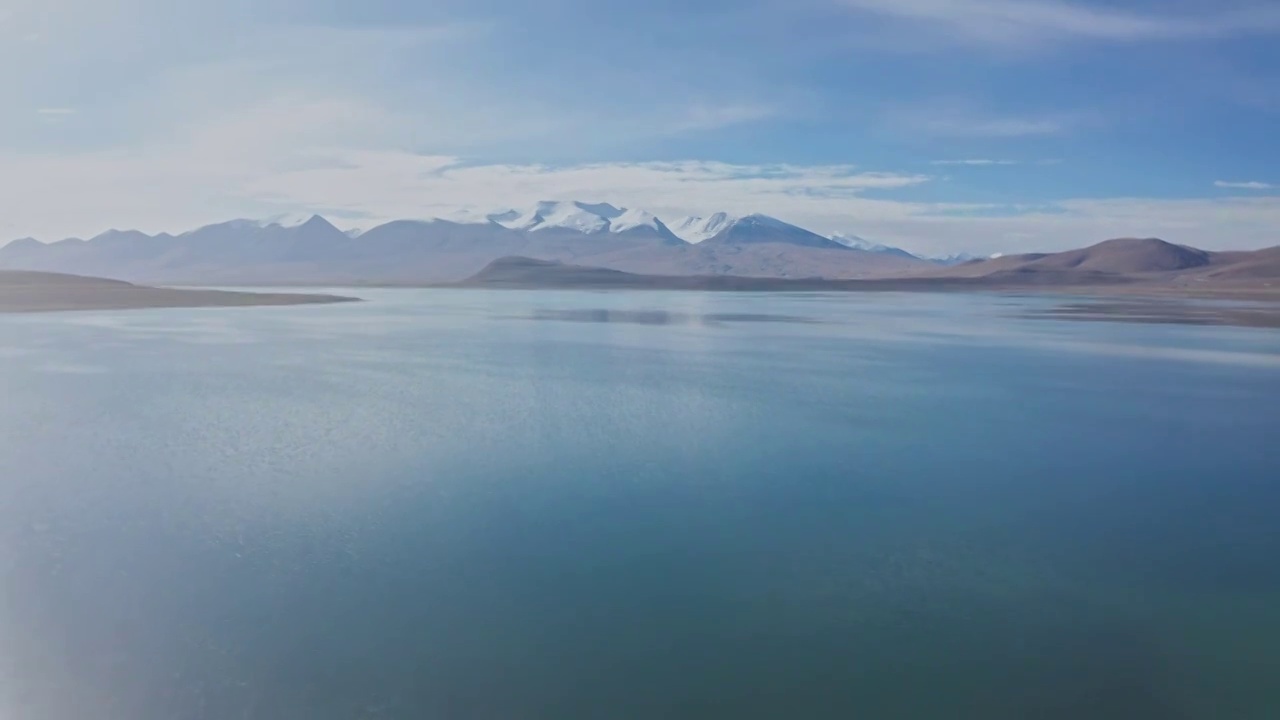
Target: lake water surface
507 505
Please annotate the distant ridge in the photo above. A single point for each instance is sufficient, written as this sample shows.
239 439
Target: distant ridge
309 250
524 272
1013 273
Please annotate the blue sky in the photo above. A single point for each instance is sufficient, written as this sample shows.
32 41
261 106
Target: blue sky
938 125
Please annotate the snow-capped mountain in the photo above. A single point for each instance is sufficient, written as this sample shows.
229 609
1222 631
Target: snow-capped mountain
635 220
758 229
696 229
553 214
724 228
586 218
859 243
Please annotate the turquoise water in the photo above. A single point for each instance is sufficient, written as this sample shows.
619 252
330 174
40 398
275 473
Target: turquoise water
637 505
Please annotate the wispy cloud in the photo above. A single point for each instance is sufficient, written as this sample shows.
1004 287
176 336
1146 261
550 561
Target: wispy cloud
713 117
963 118
55 111
399 185
977 162
1024 22
1243 185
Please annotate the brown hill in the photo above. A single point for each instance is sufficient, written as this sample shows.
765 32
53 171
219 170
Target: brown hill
1257 265
982 268
1122 256
1127 255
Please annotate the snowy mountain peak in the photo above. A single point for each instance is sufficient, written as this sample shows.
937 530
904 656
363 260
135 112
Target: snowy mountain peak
604 210
696 229
765 221
633 219
855 241
293 220
860 243
583 217
586 218
762 229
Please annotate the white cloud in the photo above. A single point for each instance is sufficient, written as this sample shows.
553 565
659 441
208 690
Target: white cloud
396 185
1250 185
1027 22
55 111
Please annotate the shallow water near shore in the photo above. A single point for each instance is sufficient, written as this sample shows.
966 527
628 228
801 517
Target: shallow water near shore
471 504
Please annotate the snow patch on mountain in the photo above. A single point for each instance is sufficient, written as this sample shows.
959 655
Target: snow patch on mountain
290 220
634 219
861 243
757 228
583 217
856 242
696 229
768 221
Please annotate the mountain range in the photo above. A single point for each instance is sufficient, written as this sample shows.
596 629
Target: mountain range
311 250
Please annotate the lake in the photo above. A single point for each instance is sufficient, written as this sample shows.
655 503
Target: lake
470 504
